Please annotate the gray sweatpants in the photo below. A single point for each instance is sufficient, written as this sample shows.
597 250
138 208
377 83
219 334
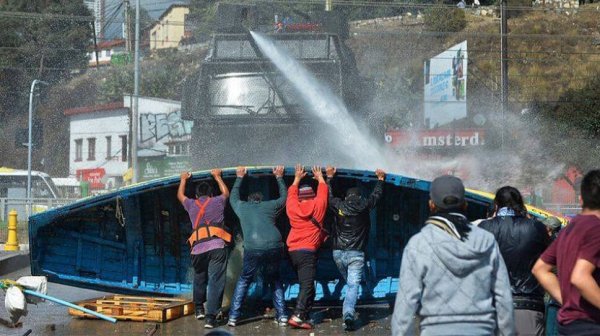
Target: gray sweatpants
529 323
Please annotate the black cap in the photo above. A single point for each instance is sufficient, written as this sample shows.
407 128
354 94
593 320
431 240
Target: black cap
447 192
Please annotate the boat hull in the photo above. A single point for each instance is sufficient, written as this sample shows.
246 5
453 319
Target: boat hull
134 240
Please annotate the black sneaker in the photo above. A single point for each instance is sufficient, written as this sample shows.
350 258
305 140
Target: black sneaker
210 322
200 314
348 322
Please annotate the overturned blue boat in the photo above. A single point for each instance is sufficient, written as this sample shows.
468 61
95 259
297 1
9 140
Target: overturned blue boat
134 240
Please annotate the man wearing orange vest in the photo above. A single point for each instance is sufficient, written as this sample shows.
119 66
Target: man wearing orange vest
208 244
306 212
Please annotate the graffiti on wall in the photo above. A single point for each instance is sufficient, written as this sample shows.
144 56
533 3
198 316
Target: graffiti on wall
156 127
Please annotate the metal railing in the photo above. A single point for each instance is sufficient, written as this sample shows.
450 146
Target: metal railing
38 205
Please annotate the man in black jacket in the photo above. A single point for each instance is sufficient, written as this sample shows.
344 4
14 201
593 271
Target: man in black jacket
521 240
350 235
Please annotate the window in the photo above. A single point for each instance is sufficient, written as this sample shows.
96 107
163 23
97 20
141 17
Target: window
78 149
108 149
124 146
91 149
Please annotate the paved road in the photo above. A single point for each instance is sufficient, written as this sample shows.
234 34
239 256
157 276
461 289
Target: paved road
51 319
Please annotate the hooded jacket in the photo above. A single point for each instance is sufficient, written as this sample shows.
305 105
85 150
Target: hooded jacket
352 224
456 287
304 234
521 241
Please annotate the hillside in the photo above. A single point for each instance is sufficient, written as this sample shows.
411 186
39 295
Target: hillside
550 54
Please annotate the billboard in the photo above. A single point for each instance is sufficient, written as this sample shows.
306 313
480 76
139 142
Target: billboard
445 97
439 138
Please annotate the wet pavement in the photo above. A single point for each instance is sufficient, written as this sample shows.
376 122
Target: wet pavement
49 318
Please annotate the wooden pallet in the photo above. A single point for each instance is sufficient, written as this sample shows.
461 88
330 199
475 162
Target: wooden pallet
137 308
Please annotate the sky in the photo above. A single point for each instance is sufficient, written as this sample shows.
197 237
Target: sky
114 27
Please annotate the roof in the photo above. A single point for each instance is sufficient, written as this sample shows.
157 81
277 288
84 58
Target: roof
109 44
5 171
95 108
170 8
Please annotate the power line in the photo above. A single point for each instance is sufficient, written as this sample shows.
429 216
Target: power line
469 51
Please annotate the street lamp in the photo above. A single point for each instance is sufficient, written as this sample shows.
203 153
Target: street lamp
29 142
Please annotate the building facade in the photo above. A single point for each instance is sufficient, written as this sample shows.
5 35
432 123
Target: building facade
99 144
170 28
96 8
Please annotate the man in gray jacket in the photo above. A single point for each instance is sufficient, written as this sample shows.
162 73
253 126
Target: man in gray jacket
263 246
452 276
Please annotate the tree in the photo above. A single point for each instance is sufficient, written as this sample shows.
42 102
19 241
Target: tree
570 128
42 39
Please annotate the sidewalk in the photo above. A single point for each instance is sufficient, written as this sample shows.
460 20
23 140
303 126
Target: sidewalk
11 261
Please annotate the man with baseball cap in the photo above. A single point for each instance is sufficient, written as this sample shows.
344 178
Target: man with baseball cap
452 276
306 211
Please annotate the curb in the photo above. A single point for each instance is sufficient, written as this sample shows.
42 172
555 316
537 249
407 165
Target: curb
13 261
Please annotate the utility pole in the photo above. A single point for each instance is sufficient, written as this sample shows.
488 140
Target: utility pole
503 67
127 27
328 5
136 93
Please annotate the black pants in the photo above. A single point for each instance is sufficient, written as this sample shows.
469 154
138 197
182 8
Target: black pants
305 265
209 278
579 328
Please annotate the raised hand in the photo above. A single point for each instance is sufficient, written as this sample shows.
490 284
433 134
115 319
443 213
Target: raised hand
278 171
330 171
299 173
241 171
216 173
317 173
185 175
380 174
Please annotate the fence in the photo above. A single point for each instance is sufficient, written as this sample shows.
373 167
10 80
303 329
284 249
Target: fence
20 205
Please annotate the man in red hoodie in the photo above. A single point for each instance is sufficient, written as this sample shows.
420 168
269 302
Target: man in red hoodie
306 212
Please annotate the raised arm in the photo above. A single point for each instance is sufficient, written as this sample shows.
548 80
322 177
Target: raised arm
182 182
216 173
234 198
334 202
278 172
322 194
292 194
378 190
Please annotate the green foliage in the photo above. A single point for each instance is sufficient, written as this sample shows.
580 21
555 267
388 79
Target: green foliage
570 128
444 19
45 47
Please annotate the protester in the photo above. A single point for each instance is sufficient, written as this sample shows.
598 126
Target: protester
350 236
576 255
306 212
452 274
553 226
263 246
521 241
208 244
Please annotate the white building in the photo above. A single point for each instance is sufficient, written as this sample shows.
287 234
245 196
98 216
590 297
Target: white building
99 144
96 7
107 50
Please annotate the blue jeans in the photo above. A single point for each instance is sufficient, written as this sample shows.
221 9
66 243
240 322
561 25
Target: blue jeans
270 260
350 264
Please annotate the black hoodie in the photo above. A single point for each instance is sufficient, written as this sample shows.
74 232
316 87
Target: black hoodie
352 224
